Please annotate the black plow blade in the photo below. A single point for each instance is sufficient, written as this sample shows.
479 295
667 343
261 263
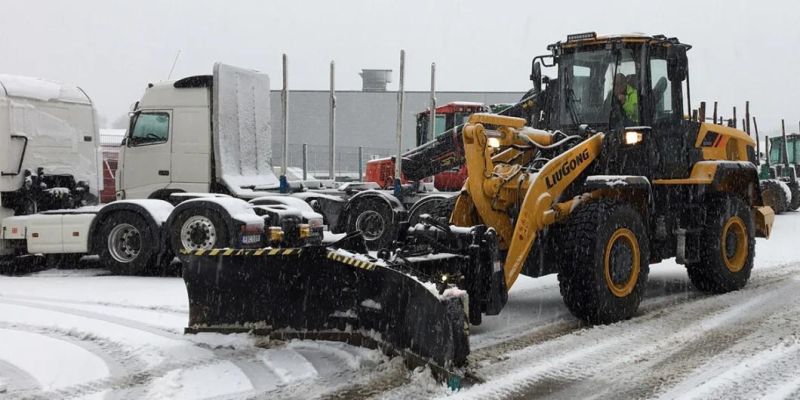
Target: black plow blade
322 293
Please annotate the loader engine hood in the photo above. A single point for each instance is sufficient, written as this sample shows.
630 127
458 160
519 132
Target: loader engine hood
241 131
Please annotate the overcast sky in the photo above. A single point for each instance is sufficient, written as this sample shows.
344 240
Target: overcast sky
743 50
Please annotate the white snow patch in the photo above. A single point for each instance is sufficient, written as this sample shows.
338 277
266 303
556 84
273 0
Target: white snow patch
34 354
202 382
369 303
158 209
238 209
41 89
288 365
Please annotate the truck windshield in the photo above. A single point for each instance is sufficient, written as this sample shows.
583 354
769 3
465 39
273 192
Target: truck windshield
150 128
594 83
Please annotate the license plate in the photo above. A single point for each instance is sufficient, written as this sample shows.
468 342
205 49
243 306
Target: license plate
251 239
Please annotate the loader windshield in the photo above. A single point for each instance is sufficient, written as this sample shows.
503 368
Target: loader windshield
595 83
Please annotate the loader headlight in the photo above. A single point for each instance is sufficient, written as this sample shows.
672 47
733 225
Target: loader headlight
493 142
632 137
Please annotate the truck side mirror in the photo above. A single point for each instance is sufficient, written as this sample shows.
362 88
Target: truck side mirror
677 63
536 76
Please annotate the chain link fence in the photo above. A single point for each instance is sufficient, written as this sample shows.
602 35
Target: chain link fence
348 159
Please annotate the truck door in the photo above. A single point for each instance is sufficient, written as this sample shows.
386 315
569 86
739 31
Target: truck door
145 162
669 134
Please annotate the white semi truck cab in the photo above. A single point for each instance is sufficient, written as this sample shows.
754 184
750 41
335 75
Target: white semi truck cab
197 136
208 133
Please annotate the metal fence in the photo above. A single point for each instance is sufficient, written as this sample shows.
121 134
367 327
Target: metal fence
349 161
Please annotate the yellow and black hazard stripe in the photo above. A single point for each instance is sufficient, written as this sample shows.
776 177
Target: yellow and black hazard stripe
293 251
369 266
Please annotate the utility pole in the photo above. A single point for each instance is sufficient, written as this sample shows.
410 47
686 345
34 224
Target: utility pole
400 98
284 184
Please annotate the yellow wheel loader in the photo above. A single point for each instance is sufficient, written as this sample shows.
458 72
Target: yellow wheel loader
619 181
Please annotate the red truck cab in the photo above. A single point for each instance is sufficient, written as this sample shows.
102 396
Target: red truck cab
448 116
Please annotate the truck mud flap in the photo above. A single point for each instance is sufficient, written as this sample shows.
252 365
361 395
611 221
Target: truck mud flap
327 294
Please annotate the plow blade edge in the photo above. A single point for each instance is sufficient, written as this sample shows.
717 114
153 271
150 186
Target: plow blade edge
319 293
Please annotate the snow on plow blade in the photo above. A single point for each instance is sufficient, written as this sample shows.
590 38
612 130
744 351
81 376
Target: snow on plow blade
316 292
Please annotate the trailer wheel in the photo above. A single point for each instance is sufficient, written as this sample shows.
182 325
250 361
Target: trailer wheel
605 262
128 243
727 247
374 218
198 229
794 204
774 196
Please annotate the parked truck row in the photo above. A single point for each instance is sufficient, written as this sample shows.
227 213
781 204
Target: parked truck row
193 139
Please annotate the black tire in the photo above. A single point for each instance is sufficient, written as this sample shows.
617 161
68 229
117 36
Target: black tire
375 219
725 261
602 240
198 228
774 196
436 206
128 243
794 203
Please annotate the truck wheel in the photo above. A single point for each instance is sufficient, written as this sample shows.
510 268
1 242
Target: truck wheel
774 196
129 243
436 206
794 204
374 218
727 247
198 229
605 264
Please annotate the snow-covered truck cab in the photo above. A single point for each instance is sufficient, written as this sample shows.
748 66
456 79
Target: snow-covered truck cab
168 145
49 160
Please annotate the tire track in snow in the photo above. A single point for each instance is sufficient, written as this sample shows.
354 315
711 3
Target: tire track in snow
161 309
554 369
15 382
128 323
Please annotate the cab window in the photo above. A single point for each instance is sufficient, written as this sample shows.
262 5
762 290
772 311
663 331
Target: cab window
662 90
150 128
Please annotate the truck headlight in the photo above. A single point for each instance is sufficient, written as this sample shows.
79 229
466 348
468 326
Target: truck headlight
632 137
493 142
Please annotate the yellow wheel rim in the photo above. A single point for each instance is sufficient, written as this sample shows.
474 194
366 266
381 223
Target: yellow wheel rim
622 247
734 244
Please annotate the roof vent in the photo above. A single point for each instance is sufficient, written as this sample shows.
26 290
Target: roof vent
375 80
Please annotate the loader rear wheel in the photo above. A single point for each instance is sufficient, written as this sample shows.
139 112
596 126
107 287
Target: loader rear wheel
727 247
605 264
774 196
198 229
375 219
794 204
129 243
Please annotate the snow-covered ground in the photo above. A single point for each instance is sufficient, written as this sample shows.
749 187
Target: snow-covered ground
85 334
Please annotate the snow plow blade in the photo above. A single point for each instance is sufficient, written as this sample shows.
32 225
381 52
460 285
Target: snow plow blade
318 292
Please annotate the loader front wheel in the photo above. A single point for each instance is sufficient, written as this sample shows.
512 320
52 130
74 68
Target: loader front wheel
605 264
727 247
128 243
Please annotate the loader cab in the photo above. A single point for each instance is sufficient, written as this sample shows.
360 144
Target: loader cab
622 84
